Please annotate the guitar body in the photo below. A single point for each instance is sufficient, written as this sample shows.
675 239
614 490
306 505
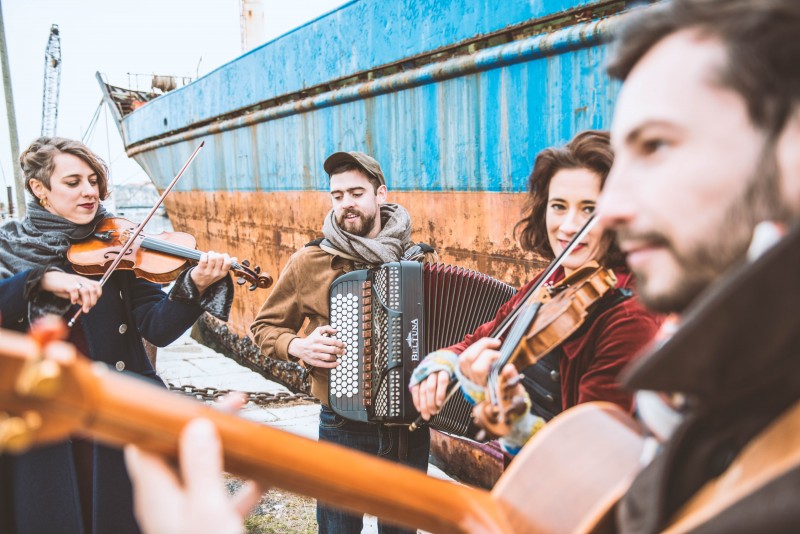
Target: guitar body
568 478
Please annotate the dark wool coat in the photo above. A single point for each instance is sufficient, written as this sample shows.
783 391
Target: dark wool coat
737 359
598 352
38 490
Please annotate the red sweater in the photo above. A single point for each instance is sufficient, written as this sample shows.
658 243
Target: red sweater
594 358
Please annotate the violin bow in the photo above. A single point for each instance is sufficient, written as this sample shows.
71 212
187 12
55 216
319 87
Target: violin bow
132 239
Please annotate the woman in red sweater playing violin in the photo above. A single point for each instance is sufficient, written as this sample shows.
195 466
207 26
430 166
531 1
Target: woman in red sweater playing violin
564 187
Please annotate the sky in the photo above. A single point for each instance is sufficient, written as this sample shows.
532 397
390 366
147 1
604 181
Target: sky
120 39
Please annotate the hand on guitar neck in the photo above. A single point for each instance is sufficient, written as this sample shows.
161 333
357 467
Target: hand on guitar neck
194 499
48 392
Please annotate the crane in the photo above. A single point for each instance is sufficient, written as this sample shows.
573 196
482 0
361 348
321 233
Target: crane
52 82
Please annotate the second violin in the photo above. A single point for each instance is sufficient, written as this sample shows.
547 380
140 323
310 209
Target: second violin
157 258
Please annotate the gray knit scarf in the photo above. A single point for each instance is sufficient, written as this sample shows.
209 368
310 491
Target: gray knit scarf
42 238
389 245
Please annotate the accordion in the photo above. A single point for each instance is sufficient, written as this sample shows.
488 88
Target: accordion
389 318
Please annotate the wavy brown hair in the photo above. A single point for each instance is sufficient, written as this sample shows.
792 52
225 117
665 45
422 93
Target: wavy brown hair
589 150
38 161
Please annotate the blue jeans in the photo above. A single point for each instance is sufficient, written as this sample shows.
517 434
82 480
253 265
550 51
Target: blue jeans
375 439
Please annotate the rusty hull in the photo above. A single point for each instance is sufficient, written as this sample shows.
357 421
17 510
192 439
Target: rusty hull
468 229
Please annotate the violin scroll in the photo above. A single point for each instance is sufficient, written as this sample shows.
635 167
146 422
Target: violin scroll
253 275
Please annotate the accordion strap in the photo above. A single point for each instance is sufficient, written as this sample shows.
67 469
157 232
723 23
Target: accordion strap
415 252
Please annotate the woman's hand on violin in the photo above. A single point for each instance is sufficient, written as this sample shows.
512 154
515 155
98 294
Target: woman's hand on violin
511 383
476 362
78 289
429 395
212 266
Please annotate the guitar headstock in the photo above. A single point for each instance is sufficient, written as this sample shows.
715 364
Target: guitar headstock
42 387
253 275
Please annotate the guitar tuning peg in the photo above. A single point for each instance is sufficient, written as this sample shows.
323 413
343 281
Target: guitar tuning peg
40 378
16 433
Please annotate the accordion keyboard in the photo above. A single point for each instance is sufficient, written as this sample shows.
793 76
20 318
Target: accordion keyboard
350 316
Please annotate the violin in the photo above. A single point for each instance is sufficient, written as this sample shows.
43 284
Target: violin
554 316
529 305
158 258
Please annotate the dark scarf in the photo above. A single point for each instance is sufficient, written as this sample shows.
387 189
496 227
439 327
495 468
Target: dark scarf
41 239
389 245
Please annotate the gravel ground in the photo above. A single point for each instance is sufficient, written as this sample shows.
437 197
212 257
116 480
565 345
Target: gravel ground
281 512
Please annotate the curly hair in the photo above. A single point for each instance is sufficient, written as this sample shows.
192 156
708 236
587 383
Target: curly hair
590 149
38 161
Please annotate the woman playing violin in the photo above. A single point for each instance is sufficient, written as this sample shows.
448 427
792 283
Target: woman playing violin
77 486
564 187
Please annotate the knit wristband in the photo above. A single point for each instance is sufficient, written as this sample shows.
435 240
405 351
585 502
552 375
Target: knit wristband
473 392
440 360
522 430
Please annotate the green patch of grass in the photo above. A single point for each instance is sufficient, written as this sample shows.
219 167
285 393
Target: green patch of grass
279 512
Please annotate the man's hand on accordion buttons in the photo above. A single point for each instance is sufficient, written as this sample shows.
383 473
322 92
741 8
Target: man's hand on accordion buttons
319 349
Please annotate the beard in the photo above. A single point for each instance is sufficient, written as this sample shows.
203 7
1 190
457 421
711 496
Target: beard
725 245
361 226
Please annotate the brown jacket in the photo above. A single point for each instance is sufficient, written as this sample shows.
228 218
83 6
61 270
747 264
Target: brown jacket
300 297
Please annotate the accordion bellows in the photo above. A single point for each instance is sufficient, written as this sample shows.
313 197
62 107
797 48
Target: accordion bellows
392 316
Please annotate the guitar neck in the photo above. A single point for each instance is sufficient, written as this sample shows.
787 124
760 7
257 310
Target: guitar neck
98 402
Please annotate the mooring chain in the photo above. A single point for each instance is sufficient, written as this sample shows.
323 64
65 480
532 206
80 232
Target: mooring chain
259 399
